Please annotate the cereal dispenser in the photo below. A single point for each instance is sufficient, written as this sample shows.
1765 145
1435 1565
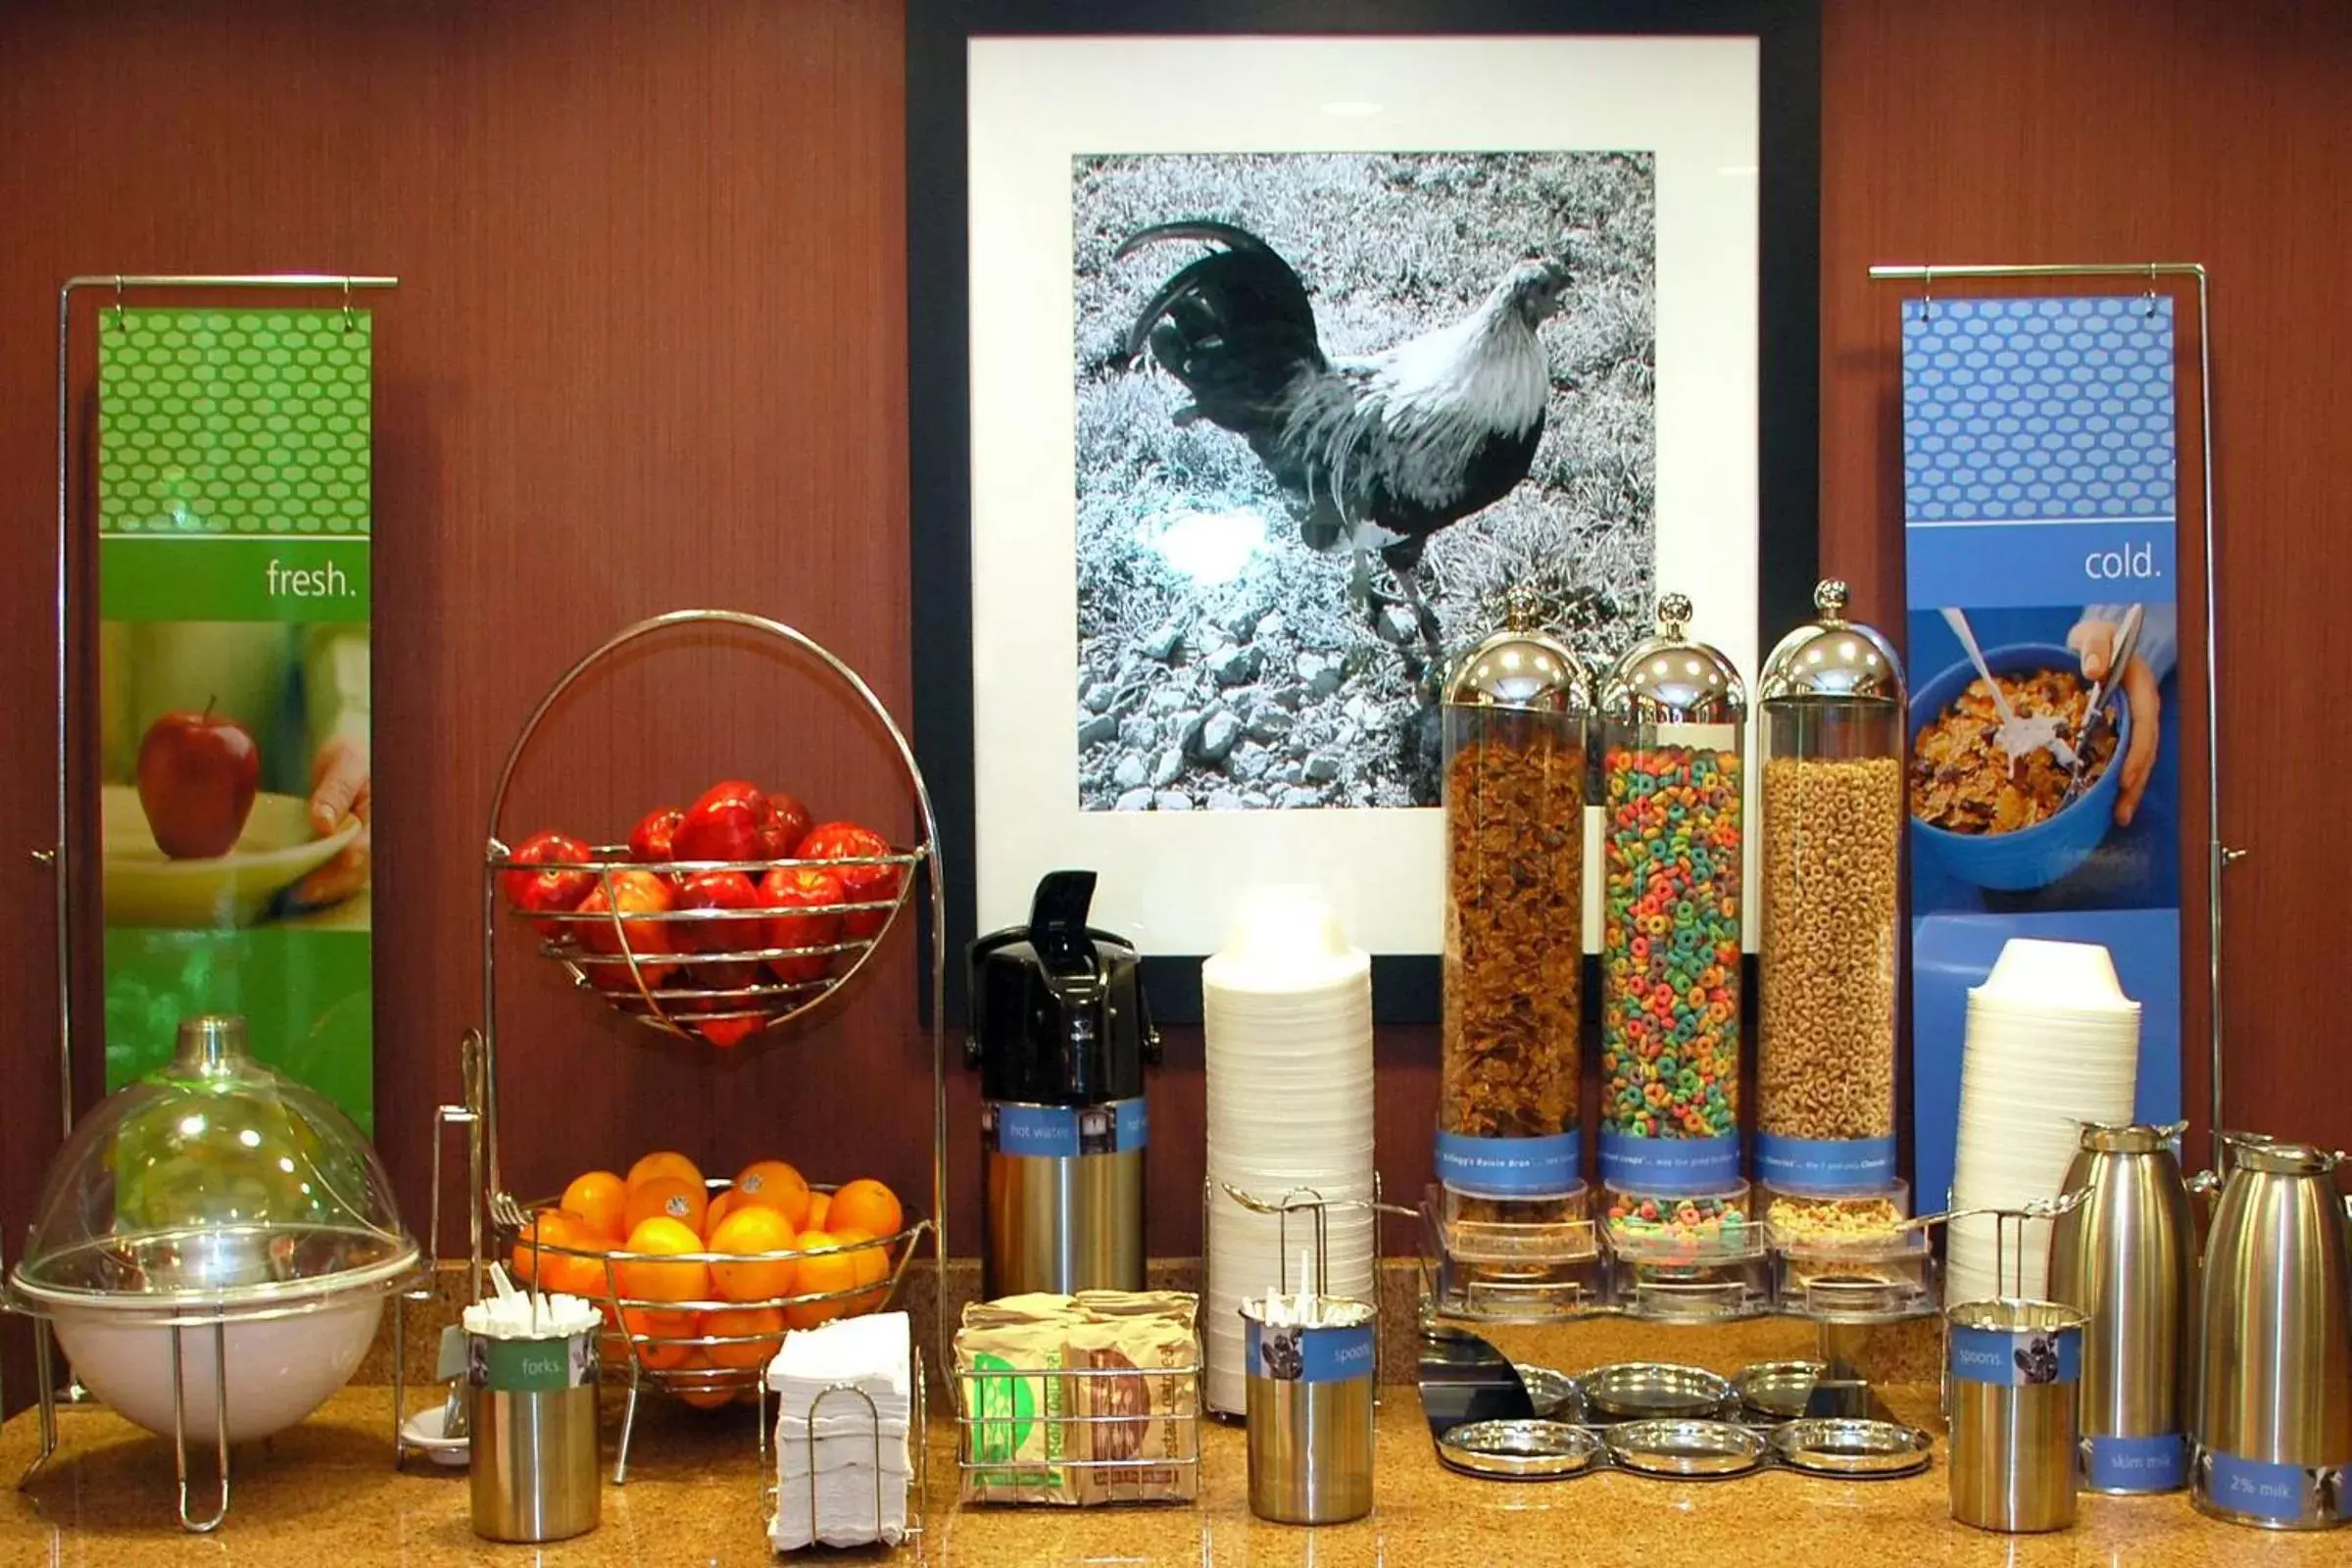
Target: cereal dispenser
1672 827
1517 712
1832 747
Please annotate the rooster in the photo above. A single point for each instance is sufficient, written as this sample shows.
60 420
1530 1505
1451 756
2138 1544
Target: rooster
1376 453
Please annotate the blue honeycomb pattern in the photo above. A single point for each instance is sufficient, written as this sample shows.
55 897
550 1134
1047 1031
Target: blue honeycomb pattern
2038 410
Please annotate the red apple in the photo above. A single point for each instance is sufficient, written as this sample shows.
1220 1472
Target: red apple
787 823
632 893
197 777
724 824
864 884
723 1032
544 892
802 887
721 890
650 840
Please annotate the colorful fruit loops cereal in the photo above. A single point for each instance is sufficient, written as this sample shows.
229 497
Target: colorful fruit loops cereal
1670 953
1675 1219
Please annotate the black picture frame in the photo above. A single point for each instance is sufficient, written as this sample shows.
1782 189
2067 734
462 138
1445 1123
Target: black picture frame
1405 988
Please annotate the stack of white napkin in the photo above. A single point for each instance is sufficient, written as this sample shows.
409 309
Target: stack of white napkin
856 1502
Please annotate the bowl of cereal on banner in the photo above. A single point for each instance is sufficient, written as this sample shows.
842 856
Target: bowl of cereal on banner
1999 822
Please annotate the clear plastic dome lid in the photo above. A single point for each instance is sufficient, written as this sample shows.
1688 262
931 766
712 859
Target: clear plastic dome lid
1832 660
1521 667
1670 679
212 1181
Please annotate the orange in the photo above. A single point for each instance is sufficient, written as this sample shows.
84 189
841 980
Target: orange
742 1323
578 1276
668 1196
643 1281
718 1211
595 1200
818 1204
749 1231
698 1393
874 1268
772 1183
666 1163
820 1275
661 1326
553 1228
866 1205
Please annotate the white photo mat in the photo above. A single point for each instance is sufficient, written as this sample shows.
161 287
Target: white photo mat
1169 880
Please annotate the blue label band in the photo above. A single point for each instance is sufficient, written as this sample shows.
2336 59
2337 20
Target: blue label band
2136 1464
1668 1167
1825 1167
1510 1167
2017 1357
2261 1489
1063 1132
1291 1355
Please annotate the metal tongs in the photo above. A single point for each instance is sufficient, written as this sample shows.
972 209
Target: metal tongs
2127 644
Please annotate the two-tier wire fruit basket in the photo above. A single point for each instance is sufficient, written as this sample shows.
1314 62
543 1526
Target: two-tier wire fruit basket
722 976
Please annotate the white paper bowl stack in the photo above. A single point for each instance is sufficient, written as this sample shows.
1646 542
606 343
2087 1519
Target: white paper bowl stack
2052 1043
1286 1010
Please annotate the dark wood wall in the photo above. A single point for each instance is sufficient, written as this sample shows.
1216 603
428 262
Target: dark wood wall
649 350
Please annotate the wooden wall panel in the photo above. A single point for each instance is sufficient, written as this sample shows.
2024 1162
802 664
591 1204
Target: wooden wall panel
2021 130
649 350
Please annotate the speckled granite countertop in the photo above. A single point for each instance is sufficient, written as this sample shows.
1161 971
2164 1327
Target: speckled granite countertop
325 1496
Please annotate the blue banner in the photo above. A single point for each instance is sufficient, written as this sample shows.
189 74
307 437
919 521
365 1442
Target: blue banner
2139 1464
2041 510
1293 1354
1825 1167
1668 1167
2262 1489
2017 1357
1510 1167
1063 1132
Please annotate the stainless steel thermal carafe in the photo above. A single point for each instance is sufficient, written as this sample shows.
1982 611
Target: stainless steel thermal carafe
2274 1435
2124 1257
1061 1033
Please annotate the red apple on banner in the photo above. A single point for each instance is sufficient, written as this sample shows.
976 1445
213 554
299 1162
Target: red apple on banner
197 776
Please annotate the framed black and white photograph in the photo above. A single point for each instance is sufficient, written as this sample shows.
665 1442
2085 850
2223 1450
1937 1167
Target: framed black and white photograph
1255 358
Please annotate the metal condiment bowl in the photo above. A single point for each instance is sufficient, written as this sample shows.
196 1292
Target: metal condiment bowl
1694 1450
1642 1390
1519 1451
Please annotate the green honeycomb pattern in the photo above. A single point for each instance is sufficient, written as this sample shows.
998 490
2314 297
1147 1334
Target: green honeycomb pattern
234 421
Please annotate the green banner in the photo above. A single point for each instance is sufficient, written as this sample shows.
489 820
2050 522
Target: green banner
234 685
532 1366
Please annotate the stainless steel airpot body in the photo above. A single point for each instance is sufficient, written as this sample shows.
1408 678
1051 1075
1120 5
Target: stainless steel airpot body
1061 1032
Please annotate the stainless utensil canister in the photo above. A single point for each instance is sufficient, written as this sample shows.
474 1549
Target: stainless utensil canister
2275 1378
533 1460
1309 1405
2013 1369
2124 1257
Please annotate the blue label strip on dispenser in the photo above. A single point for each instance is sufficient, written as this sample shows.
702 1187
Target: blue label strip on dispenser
2260 1487
1307 1355
1062 1132
2139 1464
2016 1357
1822 1167
1510 1167
1668 1165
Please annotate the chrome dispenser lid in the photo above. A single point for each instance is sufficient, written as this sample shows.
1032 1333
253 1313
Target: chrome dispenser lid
212 1183
1521 667
1669 679
1833 660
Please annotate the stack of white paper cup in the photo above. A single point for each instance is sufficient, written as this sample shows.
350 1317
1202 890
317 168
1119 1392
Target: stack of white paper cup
2052 1043
1287 1016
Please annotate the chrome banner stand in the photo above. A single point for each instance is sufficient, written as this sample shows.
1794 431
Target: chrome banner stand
2218 855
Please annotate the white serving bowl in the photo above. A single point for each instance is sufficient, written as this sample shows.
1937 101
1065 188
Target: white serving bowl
279 1369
